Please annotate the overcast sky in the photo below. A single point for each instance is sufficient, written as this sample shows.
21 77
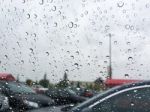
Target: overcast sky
50 36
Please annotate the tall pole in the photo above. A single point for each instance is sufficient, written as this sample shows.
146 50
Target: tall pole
110 67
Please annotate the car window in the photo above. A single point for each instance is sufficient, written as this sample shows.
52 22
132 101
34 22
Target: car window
137 100
19 88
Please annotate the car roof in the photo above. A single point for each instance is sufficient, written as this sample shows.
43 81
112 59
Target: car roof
7 77
111 91
116 82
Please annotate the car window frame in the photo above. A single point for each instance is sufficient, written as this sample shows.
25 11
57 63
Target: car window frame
117 93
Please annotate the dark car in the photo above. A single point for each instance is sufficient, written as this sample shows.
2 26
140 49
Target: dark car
4 103
64 96
133 97
22 97
84 92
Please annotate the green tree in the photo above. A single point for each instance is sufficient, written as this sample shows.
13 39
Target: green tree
18 78
29 82
65 82
78 84
44 82
98 84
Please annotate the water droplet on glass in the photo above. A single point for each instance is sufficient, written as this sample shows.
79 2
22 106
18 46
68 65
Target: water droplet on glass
107 57
128 43
115 42
77 52
31 49
147 5
28 16
27 33
22 61
76 65
100 43
131 27
83 0
41 2
70 25
47 53
132 104
55 24
35 16
105 61
86 12
129 50
107 27
6 56
23 1
126 75
127 26
120 4
130 58
72 57
54 8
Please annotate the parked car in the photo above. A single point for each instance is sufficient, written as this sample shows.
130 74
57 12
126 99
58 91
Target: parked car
133 97
22 97
4 103
64 96
83 92
39 89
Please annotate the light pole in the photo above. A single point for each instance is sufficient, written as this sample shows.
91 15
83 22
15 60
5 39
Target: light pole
110 66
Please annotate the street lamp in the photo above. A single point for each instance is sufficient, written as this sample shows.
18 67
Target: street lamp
110 66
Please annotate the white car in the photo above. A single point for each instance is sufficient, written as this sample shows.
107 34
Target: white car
39 88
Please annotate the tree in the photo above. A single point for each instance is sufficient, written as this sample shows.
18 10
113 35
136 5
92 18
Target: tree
18 78
98 84
78 84
65 82
44 82
29 82
99 80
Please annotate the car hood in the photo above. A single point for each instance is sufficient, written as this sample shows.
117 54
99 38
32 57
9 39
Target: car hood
42 100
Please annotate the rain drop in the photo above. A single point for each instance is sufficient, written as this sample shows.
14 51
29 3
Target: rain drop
23 1
47 53
70 25
41 2
115 42
76 65
54 8
72 57
120 4
55 24
100 43
130 58
28 16
126 75
35 16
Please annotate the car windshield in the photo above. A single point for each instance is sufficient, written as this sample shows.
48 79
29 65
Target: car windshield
89 46
71 91
19 88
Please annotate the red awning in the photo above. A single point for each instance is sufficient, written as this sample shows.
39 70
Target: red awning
7 77
116 82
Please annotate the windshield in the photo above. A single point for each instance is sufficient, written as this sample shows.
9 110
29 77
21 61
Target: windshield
71 91
19 88
88 46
